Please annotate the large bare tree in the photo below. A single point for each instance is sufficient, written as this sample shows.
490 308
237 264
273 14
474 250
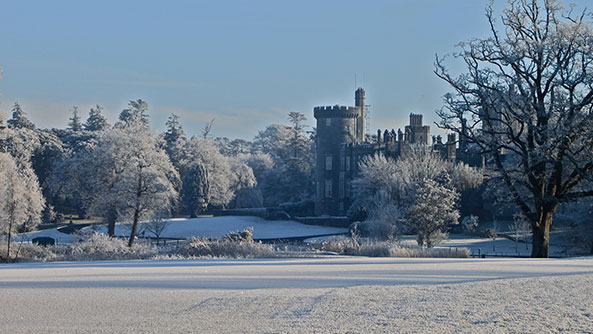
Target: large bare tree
526 102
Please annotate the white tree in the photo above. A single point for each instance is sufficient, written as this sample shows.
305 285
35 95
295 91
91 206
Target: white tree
96 121
3 119
432 208
414 183
21 143
290 148
136 113
19 118
242 178
204 152
144 174
21 201
526 102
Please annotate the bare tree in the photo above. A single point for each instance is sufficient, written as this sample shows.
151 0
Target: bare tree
526 101
520 229
157 225
208 128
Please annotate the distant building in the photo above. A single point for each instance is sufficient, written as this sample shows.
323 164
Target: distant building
341 144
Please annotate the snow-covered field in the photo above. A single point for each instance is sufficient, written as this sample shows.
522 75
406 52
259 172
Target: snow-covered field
321 295
210 227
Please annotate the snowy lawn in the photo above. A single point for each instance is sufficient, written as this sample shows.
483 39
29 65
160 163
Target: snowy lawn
500 247
323 295
211 227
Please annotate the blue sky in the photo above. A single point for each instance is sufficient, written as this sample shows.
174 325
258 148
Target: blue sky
245 63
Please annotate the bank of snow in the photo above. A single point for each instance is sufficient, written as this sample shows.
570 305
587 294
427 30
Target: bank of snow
326 295
210 227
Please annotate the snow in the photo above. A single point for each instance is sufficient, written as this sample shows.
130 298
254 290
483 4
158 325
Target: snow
217 227
501 247
208 227
58 236
333 294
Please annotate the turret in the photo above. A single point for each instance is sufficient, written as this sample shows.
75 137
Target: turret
359 103
451 147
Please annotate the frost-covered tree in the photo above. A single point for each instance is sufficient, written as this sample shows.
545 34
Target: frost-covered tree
299 141
196 190
526 102
78 179
174 139
291 151
137 175
96 121
19 118
21 143
123 175
202 151
432 209
408 185
2 121
137 112
242 183
21 201
75 123
274 140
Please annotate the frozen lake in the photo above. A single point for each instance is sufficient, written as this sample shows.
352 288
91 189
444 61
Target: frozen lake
332 294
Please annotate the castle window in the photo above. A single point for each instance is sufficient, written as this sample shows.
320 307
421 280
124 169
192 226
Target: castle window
348 163
328 162
342 161
347 189
328 122
328 188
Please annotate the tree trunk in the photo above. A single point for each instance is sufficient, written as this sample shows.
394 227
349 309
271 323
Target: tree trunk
111 218
541 234
9 237
134 228
591 246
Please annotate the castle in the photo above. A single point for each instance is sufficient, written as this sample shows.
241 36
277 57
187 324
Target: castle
341 144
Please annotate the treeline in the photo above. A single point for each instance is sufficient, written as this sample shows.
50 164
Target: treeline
127 171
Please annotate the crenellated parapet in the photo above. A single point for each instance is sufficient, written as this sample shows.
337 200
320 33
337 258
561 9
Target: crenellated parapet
337 111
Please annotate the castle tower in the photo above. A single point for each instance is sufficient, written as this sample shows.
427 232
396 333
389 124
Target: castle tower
336 126
419 134
359 102
451 147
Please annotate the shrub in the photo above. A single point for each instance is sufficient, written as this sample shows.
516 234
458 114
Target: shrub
236 236
101 247
27 253
389 249
198 247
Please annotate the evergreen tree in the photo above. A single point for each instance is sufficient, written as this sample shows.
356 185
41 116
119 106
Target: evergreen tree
174 139
19 118
96 120
196 190
174 130
75 124
137 112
